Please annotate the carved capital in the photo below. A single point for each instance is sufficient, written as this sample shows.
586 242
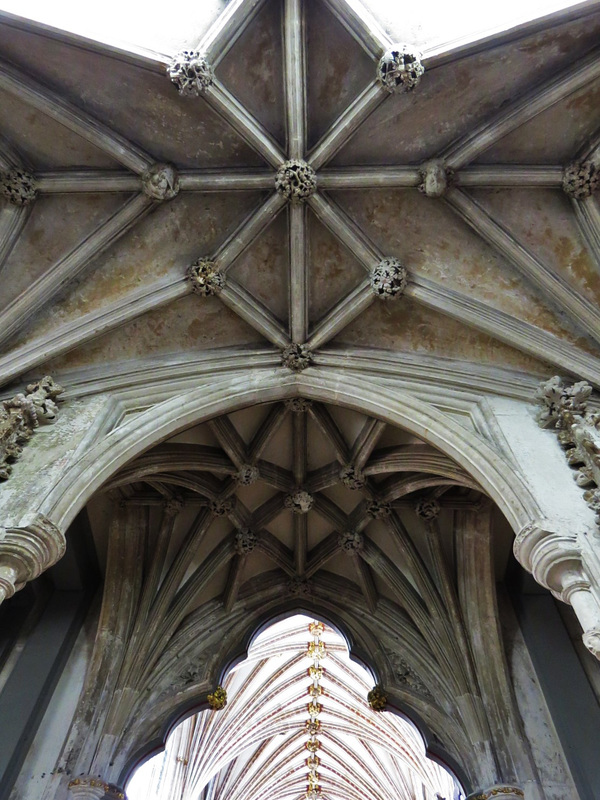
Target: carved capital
400 69
160 182
435 178
90 787
26 552
581 179
18 187
296 180
191 73
296 357
389 279
205 278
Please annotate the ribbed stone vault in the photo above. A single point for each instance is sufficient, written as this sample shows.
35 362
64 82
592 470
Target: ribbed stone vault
257 744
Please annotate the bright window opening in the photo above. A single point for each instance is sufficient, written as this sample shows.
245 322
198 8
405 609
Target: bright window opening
260 746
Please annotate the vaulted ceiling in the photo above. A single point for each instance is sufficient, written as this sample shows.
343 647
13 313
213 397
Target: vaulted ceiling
501 262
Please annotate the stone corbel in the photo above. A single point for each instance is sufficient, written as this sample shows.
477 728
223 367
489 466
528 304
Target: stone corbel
26 552
556 562
90 787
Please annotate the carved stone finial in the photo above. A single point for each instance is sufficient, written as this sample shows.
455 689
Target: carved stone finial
191 73
351 542
376 698
581 179
160 182
296 357
21 415
298 405
89 787
428 509
389 279
378 509
435 178
217 700
205 278
299 501
245 541
220 508
296 180
173 506
247 474
18 187
400 69
352 477
299 586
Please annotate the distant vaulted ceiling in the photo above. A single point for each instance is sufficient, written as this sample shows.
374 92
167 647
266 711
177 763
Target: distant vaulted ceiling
299 182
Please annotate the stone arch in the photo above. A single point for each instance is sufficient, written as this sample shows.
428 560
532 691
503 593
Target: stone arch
90 471
360 640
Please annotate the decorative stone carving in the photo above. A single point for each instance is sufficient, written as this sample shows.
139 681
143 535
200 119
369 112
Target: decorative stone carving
581 179
378 509
405 675
299 586
247 474
217 700
389 279
504 792
21 415
435 178
558 399
160 182
427 509
296 357
89 787
591 640
18 187
245 541
204 277
26 552
400 69
299 501
298 405
190 72
220 508
296 180
352 477
564 408
173 506
377 698
351 542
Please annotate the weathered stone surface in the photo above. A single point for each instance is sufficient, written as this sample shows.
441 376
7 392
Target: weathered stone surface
296 180
191 73
400 69
205 278
161 182
296 357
